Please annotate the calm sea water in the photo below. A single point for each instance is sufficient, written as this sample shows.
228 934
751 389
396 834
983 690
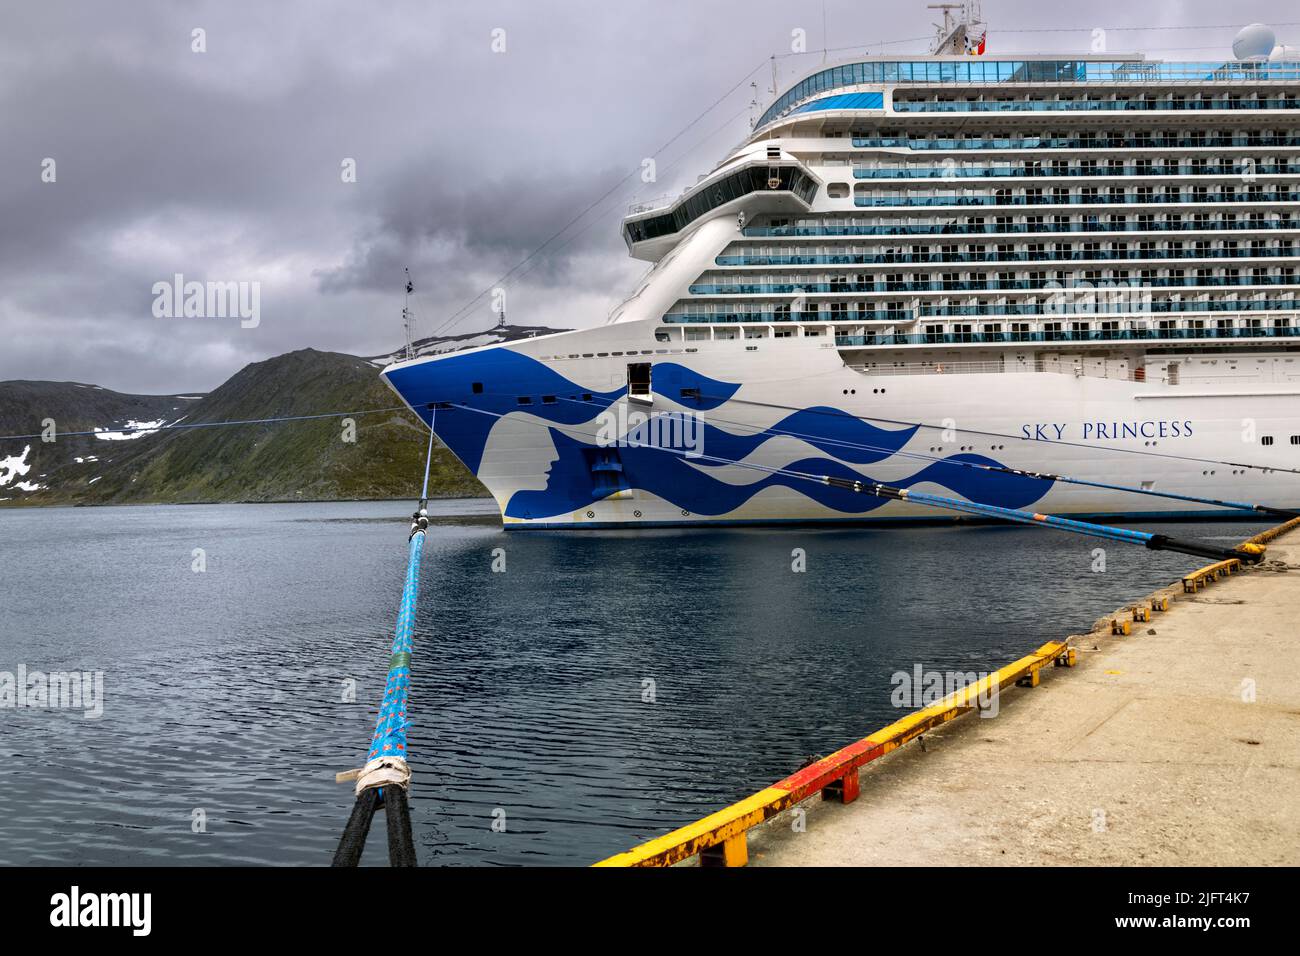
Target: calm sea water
224 690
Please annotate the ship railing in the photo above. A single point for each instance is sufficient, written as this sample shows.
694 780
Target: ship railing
645 205
1046 172
998 368
1145 335
1100 255
1119 105
1156 199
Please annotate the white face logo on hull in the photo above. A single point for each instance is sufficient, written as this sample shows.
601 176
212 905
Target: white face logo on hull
517 457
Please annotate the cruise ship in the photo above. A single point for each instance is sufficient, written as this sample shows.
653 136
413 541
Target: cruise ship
968 275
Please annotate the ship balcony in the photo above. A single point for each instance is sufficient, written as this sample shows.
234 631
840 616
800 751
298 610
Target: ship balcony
996 258
1148 337
1157 140
1119 104
1166 198
1068 302
992 285
1223 170
1084 301
881 316
1092 224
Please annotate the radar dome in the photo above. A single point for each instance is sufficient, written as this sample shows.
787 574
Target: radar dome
1253 42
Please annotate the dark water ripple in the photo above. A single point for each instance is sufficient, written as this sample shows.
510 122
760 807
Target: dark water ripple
224 690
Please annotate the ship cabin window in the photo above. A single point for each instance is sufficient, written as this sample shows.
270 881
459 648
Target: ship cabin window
638 380
476 388
782 333
1295 439
524 400
662 337
1266 439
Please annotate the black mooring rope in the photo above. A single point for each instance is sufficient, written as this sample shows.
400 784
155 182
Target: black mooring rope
354 836
401 845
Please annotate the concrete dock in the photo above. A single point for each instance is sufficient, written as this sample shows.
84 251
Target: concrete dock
1178 744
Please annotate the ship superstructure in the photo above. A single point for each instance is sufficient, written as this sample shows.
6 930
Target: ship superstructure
1082 265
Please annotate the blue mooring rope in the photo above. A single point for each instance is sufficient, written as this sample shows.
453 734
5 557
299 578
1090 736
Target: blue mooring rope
389 740
390 727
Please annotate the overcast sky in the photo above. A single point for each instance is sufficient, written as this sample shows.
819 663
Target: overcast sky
226 165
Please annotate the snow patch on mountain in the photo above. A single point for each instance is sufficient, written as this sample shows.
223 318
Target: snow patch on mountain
133 430
15 466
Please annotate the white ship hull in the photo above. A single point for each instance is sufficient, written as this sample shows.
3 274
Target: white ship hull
779 398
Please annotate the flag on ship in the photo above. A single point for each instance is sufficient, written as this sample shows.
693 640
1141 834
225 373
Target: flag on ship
976 47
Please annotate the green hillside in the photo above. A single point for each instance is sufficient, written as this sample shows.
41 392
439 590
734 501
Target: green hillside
306 460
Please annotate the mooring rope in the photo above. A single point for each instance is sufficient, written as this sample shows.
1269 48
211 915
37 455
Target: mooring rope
386 776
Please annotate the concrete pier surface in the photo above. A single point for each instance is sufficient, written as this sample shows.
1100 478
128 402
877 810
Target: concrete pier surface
1176 745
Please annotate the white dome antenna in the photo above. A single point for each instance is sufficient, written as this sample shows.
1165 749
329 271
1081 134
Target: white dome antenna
1254 42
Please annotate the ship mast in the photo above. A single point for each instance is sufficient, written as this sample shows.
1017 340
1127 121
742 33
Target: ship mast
952 36
408 317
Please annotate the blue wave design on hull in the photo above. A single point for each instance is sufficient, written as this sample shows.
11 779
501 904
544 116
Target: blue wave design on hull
505 376
671 477
827 429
